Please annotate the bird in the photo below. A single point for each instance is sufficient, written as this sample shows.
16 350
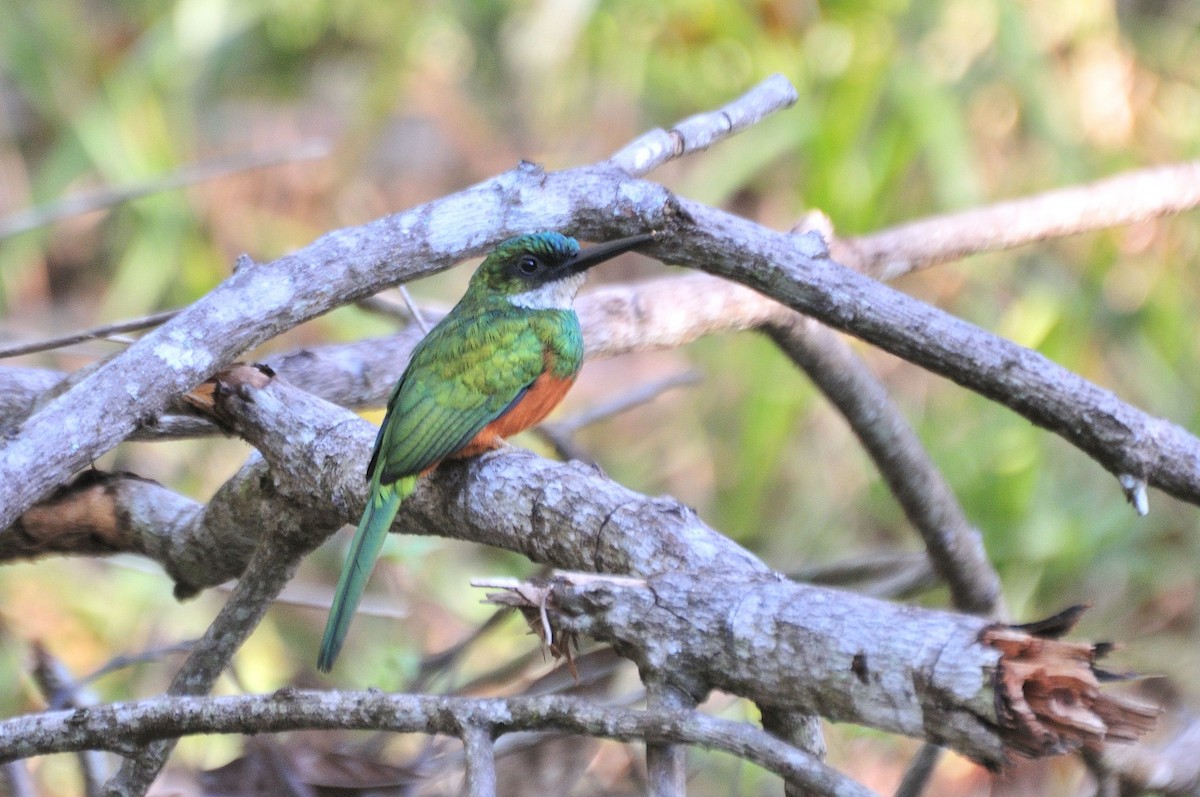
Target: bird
495 365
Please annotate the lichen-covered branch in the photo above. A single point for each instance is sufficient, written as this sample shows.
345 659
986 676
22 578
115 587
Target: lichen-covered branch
567 515
981 688
796 271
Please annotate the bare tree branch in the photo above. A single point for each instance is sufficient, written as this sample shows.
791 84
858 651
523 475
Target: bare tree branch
20 389
121 727
61 690
981 688
955 547
919 771
95 333
699 132
1123 199
274 563
666 764
560 434
796 271
479 747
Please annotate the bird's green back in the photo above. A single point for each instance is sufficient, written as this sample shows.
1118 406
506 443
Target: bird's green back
472 366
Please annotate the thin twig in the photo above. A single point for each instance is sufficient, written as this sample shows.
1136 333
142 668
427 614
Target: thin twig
384 307
560 434
272 566
639 395
132 659
920 770
413 310
32 218
696 133
105 332
893 575
432 665
61 690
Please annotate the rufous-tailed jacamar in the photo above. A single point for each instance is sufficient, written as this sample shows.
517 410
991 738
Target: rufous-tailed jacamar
494 366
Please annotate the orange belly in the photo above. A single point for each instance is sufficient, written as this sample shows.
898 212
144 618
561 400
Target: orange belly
542 396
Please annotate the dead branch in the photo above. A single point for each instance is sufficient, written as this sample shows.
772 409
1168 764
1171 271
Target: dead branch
983 689
1122 199
275 560
121 727
96 412
955 548
53 442
565 515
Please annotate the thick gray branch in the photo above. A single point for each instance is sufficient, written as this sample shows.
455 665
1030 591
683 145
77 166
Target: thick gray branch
960 681
258 301
796 271
566 515
553 513
89 418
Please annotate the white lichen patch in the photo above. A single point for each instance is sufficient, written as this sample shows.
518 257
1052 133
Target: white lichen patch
636 193
449 217
180 357
267 291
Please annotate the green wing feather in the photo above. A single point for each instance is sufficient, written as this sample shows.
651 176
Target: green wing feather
466 372
463 375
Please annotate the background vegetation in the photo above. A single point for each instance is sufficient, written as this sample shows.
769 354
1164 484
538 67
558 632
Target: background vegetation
907 109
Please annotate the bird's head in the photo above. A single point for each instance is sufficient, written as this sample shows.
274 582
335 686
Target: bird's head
543 270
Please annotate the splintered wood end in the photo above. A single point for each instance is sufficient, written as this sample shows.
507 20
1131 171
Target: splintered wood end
1048 696
206 397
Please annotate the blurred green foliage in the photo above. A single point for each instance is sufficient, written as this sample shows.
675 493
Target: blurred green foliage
906 109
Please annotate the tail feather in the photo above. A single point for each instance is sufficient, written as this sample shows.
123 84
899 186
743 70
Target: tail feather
360 559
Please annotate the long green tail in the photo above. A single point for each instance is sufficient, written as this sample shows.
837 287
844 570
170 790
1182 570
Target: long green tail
368 539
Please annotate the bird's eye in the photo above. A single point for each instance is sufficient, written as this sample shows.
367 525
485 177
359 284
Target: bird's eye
528 264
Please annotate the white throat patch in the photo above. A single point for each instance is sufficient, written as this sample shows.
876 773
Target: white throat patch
556 295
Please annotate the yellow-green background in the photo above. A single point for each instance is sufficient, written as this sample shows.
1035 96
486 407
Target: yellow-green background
906 109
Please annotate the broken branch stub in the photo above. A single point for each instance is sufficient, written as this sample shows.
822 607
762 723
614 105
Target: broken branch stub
1048 696
983 689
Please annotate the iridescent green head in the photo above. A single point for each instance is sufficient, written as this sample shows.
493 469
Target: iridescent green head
543 270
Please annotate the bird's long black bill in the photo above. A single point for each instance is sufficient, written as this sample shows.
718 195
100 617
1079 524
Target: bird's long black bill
609 249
